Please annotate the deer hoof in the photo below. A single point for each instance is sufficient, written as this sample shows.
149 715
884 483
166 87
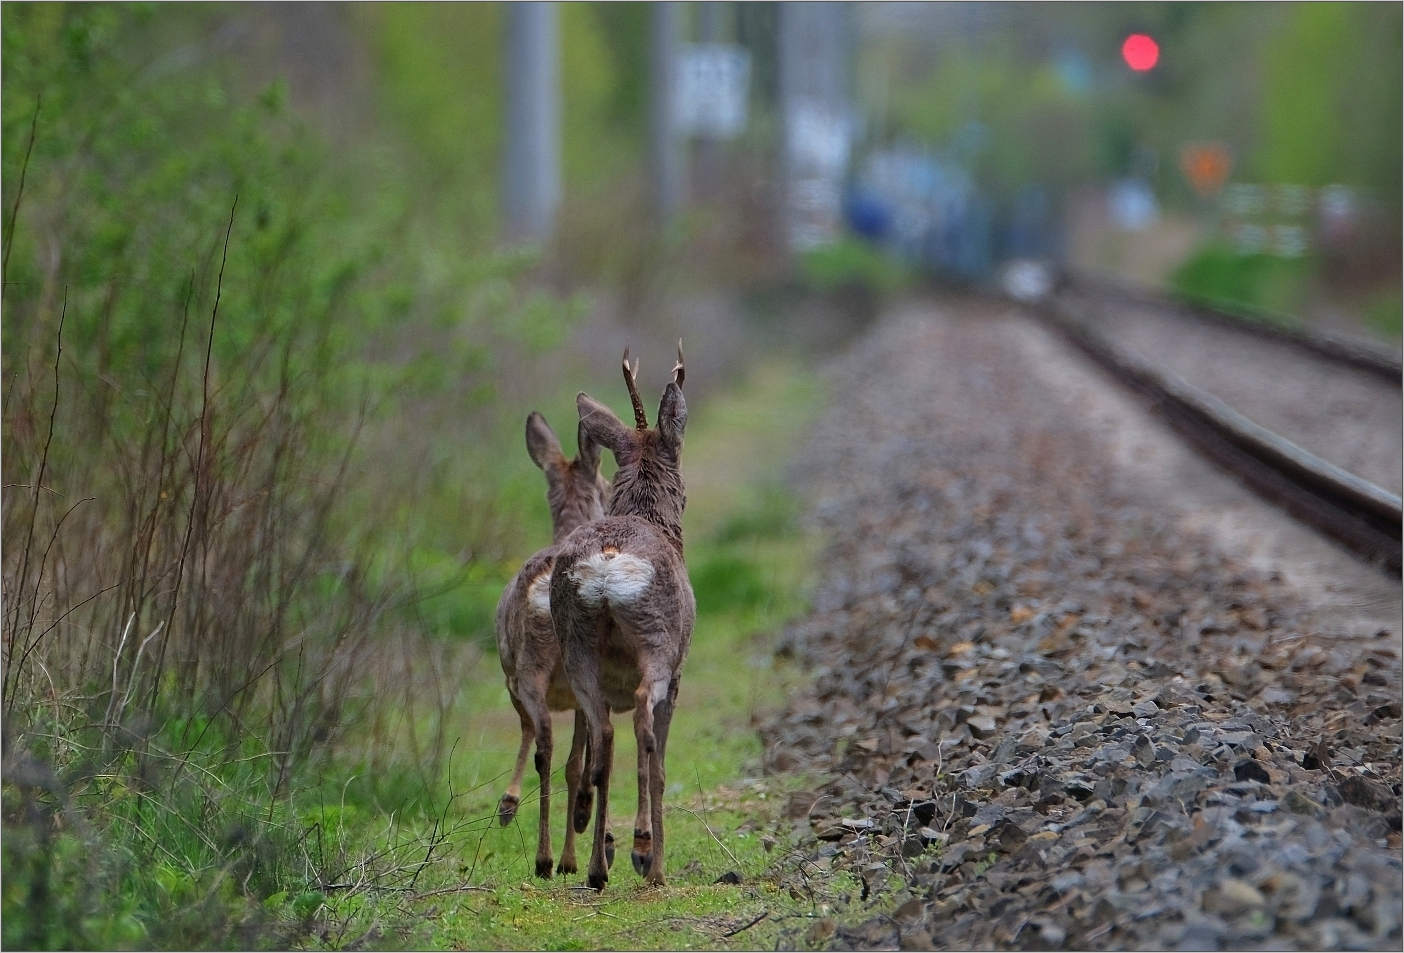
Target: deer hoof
566 867
598 880
506 809
642 854
584 800
609 849
543 868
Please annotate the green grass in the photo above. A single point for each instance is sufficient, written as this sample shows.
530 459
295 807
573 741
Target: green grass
1385 315
712 747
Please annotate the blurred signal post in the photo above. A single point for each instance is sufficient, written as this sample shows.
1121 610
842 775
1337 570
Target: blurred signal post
699 92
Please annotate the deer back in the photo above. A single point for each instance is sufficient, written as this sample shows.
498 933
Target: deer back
629 565
575 493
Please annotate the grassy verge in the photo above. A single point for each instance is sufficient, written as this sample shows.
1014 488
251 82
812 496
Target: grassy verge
1283 292
751 567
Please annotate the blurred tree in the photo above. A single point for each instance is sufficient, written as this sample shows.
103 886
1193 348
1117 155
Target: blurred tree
599 142
1331 99
1035 128
757 25
441 85
440 81
624 28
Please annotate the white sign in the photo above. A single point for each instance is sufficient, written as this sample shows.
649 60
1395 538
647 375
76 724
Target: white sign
712 84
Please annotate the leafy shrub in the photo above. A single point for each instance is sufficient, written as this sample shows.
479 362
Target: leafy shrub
1275 287
853 265
1385 313
190 622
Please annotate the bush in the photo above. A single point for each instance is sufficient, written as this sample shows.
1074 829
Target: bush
1385 314
1275 287
190 621
853 265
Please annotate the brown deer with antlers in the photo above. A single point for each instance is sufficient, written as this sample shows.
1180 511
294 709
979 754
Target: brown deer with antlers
527 644
623 610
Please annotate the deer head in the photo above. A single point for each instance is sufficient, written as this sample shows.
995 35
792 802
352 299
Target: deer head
575 491
648 482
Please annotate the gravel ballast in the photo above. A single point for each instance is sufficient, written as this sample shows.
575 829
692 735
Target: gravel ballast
1048 714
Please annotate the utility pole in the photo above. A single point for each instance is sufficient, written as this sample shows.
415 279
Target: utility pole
815 107
531 173
667 159
709 148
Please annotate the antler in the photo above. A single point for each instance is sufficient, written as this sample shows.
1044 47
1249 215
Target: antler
679 372
640 419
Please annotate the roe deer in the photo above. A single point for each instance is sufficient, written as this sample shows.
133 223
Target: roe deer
527 644
623 610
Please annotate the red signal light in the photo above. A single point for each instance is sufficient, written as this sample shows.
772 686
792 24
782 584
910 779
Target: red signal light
1140 52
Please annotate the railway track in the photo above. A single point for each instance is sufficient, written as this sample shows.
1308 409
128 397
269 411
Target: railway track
1349 352
1110 722
1359 514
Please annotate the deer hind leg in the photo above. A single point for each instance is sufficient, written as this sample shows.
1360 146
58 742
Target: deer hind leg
543 770
601 762
584 798
580 632
507 807
642 852
574 768
585 682
648 829
583 673
658 780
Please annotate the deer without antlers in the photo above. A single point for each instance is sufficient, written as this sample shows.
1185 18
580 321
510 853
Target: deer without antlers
526 641
623 610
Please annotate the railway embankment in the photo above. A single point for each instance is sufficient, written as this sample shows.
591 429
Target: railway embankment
1070 685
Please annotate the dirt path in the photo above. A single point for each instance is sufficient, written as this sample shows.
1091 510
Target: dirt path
1071 686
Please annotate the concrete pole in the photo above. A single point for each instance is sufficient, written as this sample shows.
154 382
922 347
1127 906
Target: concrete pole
531 173
707 178
814 48
667 160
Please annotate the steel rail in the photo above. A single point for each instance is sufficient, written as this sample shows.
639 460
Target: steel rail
1351 352
1355 512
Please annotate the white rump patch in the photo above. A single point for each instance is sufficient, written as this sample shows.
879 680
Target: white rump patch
611 576
539 594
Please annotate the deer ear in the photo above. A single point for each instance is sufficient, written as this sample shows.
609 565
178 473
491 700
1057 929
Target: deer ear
672 417
601 425
588 456
541 442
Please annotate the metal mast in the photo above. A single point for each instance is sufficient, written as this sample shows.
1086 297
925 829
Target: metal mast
532 159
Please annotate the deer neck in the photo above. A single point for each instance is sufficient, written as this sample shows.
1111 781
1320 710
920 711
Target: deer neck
654 494
568 515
